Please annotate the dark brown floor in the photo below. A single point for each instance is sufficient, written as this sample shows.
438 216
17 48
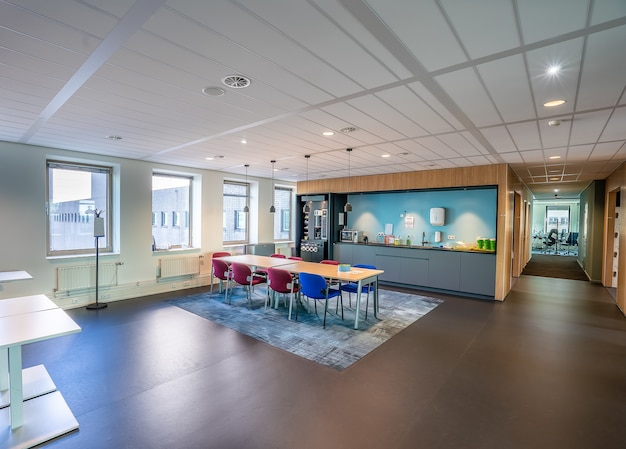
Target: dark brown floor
544 369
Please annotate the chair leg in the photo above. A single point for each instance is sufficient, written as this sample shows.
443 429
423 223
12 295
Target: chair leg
325 310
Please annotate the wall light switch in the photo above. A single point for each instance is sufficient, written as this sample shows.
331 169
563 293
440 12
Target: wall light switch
451 237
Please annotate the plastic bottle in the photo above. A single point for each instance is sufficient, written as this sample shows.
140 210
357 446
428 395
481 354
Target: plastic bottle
408 240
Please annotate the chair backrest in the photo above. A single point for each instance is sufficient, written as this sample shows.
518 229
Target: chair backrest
364 265
279 256
294 258
313 285
220 269
329 262
552 236
241 273
220 254
280 280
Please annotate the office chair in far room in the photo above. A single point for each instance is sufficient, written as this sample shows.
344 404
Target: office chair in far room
314 286
221 271
550 241
353 287
243 275
282 282
570 242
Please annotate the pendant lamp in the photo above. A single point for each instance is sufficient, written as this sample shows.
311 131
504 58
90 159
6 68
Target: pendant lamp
272 208
348 207
246 208
307 208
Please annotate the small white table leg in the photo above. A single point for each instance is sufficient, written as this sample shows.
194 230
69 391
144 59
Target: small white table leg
17 395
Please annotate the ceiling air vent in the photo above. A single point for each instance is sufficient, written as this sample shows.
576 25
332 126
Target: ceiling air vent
236 81
348 129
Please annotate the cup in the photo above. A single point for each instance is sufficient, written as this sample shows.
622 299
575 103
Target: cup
480 243
492 244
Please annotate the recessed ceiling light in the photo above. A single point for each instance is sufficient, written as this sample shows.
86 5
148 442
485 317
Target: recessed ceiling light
555 157
552 103
213 91
555 179
115 138
554 123
328 133
210 158
385 155
243 141
554 171
236 81
556 190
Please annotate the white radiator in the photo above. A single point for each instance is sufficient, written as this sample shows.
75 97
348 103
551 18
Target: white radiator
80 277
180 266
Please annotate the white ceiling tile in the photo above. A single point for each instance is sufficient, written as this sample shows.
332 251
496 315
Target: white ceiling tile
459 144
468 93
480 34
533 156
579 153
538 18
525 135
418 25
587 128
604 66
508 86
499 138
615 128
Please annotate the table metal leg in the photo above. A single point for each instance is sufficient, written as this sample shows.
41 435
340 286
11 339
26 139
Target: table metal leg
4 369
16 393
358 303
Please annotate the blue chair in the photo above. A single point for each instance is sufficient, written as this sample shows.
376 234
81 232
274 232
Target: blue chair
353 287
314 286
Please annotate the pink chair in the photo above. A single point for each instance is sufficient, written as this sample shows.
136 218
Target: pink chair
280 281
279 256
243 275
329 262
221 270
295 258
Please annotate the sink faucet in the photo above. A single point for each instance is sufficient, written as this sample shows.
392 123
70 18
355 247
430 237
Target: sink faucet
424 238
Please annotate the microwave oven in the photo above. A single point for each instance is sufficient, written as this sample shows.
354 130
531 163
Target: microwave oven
351 236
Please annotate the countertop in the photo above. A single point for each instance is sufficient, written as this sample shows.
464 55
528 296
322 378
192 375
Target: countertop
467 249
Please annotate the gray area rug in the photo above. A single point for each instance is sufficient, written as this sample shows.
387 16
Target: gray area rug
338 346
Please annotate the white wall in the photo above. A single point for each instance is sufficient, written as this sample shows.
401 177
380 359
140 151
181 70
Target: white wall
23 224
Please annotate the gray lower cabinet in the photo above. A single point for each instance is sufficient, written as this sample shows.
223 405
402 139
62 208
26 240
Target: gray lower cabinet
462 272
478 274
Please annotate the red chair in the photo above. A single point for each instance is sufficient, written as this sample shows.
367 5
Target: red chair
280 281
329 262
295 258
243 275
278 255
221 270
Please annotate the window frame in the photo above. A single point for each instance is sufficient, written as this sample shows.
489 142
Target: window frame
105 243
283 219
237 213
172 218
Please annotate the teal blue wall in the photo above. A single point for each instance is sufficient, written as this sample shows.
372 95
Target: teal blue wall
469 213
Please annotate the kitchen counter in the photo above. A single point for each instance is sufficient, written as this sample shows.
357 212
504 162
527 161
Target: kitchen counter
464 271
469 249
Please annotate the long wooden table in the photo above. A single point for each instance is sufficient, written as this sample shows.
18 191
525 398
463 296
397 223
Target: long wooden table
361 276
26 424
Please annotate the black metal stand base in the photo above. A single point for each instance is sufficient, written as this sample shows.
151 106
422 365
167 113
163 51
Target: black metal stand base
96 305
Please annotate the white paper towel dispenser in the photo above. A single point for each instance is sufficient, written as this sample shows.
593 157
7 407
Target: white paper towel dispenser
437 216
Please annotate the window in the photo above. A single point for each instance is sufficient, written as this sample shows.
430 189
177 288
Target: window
557 217
171 195
75 192
282 219
235 220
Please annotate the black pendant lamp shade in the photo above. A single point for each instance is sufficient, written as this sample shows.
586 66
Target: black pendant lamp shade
348 207
246 208
307 208
272 208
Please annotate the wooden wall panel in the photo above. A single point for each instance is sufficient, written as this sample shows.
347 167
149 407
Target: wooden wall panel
430 179
615 182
